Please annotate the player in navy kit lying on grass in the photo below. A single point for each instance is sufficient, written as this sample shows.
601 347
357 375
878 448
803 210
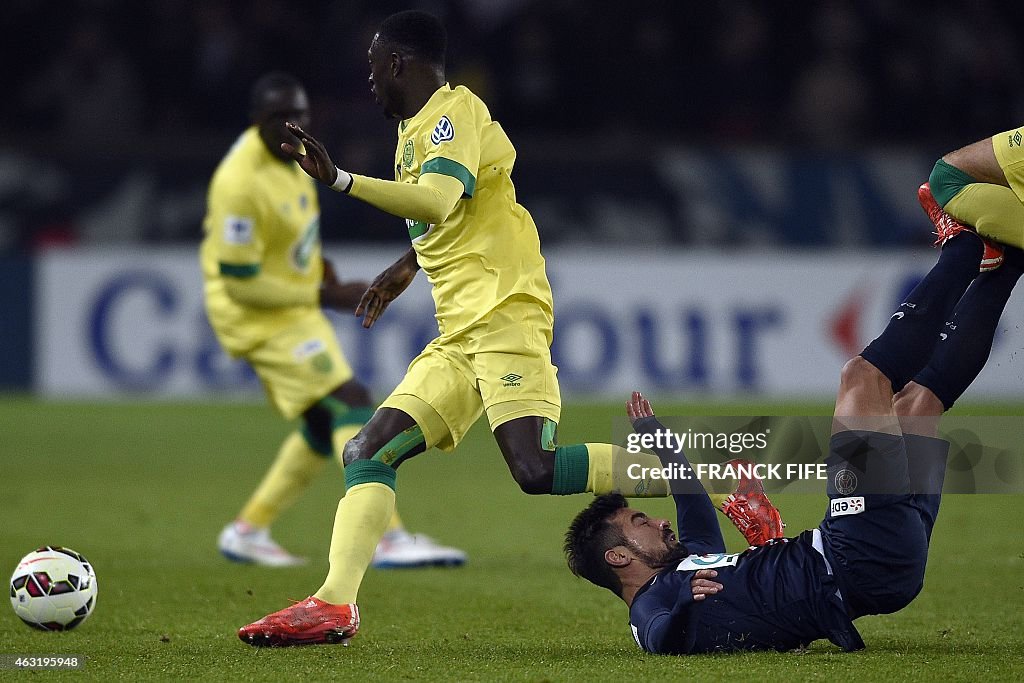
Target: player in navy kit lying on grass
886 467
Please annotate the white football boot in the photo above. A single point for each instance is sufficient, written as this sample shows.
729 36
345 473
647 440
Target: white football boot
399 549
241 542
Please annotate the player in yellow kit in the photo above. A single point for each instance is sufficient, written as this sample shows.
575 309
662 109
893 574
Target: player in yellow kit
480 251
981 186
265 283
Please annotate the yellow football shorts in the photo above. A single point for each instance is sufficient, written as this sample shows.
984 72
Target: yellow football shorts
501 366
300 365
1010 155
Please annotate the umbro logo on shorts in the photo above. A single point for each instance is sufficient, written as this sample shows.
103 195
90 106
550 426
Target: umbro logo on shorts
511 380
846 506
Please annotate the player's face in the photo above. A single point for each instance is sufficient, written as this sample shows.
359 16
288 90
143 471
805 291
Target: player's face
280 106
650 539
382 83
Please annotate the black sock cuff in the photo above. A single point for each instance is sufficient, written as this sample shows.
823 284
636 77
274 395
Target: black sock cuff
886 364
937 384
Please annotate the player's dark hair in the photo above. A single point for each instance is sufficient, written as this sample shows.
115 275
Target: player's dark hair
589 536
268 83
417 33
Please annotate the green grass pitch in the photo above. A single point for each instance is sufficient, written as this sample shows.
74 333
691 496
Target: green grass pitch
143 489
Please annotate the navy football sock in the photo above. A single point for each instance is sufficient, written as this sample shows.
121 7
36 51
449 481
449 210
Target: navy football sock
967 338
907 342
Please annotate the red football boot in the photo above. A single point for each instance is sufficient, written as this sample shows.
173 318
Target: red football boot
947 227
750 510
309 622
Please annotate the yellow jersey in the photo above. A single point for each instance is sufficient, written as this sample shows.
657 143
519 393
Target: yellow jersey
488 249
262 221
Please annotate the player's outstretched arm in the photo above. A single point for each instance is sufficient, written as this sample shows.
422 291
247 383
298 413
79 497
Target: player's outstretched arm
429 200
697 524
386 287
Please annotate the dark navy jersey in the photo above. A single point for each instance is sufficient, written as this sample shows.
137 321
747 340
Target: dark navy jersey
775 597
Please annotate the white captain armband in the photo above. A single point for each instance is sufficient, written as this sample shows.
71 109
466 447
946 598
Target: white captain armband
343 183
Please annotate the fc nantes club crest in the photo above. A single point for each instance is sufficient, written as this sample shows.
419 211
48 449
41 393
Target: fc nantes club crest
407 154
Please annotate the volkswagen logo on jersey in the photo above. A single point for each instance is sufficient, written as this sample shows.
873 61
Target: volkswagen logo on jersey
444 130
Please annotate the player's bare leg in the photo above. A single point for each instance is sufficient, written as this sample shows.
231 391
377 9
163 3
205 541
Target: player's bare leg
383 427
864 400
532 467
540 466
978 160
918 409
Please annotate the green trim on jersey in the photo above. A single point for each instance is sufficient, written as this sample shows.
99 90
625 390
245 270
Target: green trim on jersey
447 167
946 181
369 472
242 270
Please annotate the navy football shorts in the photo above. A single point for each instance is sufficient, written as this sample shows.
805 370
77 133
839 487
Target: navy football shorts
877 527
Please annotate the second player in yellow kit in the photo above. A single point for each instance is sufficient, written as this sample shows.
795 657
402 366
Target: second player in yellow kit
262 269
265 281
480 252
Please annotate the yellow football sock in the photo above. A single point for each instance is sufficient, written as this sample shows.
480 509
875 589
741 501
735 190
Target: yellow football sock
609 469
362 517
339 438
994 211
361 520
396 522
291 474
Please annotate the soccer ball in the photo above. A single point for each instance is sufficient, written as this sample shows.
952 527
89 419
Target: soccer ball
53 589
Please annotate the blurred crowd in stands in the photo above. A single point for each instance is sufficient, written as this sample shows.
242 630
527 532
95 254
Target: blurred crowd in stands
127 80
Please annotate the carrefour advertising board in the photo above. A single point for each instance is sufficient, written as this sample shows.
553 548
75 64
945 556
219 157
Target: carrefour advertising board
673 323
